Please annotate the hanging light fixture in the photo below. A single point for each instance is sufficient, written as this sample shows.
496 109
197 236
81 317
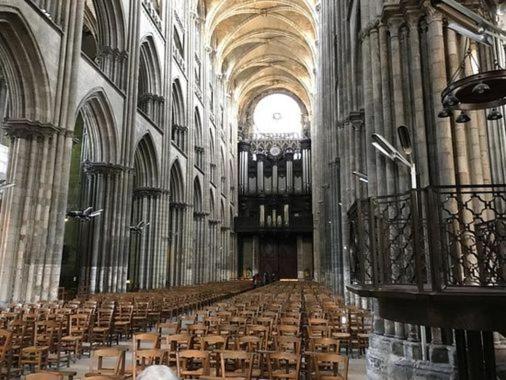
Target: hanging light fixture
494 114
462 118
444 113
450 100
481 88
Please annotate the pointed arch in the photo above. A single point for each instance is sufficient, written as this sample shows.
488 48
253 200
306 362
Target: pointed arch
197 195
23 69
198 128
176 183
178 107
145 163
212 207
100 136
149 68
105 18
223 216
179 128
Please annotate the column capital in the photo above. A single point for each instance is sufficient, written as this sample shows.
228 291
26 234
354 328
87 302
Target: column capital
103 168
356 119
413 16
24 128
244 146
305 144
394 24
433 15
152 192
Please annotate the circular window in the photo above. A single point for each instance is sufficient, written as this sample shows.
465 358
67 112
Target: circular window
278 114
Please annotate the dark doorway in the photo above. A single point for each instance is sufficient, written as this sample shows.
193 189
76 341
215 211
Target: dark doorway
279 255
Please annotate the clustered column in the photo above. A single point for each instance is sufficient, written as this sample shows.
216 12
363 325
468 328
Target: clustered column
104 260
147 260
30 256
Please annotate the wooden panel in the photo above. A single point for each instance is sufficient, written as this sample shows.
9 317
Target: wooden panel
279 256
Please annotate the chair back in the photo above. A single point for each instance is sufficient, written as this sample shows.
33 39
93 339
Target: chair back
331 366
113 356
146 341
192 364
236 364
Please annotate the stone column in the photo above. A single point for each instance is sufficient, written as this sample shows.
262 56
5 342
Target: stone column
386 94
438 80
29 266
418 129
370 153
394 24
378 105
98 249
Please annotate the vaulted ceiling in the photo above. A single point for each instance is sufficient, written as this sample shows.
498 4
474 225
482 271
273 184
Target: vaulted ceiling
265 45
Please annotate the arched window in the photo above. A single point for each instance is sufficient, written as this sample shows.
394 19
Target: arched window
103 38
212 157
179 129
149 100
198 143
278 115
223 170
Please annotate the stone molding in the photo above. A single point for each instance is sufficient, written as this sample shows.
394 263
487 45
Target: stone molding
92 168
24 128
153 192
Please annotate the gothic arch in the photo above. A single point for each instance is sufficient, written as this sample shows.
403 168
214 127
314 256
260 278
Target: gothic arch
212 207
176 183
100 137
178 106
145 163
149 68
105 20
223 216
197 195
179 129
198 128
23 68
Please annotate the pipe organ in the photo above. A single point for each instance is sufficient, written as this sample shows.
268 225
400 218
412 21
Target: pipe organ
275 207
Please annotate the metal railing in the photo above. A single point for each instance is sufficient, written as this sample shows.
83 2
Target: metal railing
431 239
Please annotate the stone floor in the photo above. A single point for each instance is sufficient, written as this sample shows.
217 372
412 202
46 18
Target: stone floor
357 369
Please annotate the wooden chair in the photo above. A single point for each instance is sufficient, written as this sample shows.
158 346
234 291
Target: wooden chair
249 343
146 341
101 332
329 345
283 365
211 344
237 365
140 316
284 330
175 343
260 331
288 343
146 358
5 347
79 326
192 364
327 366
122 325
112 355
167 328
